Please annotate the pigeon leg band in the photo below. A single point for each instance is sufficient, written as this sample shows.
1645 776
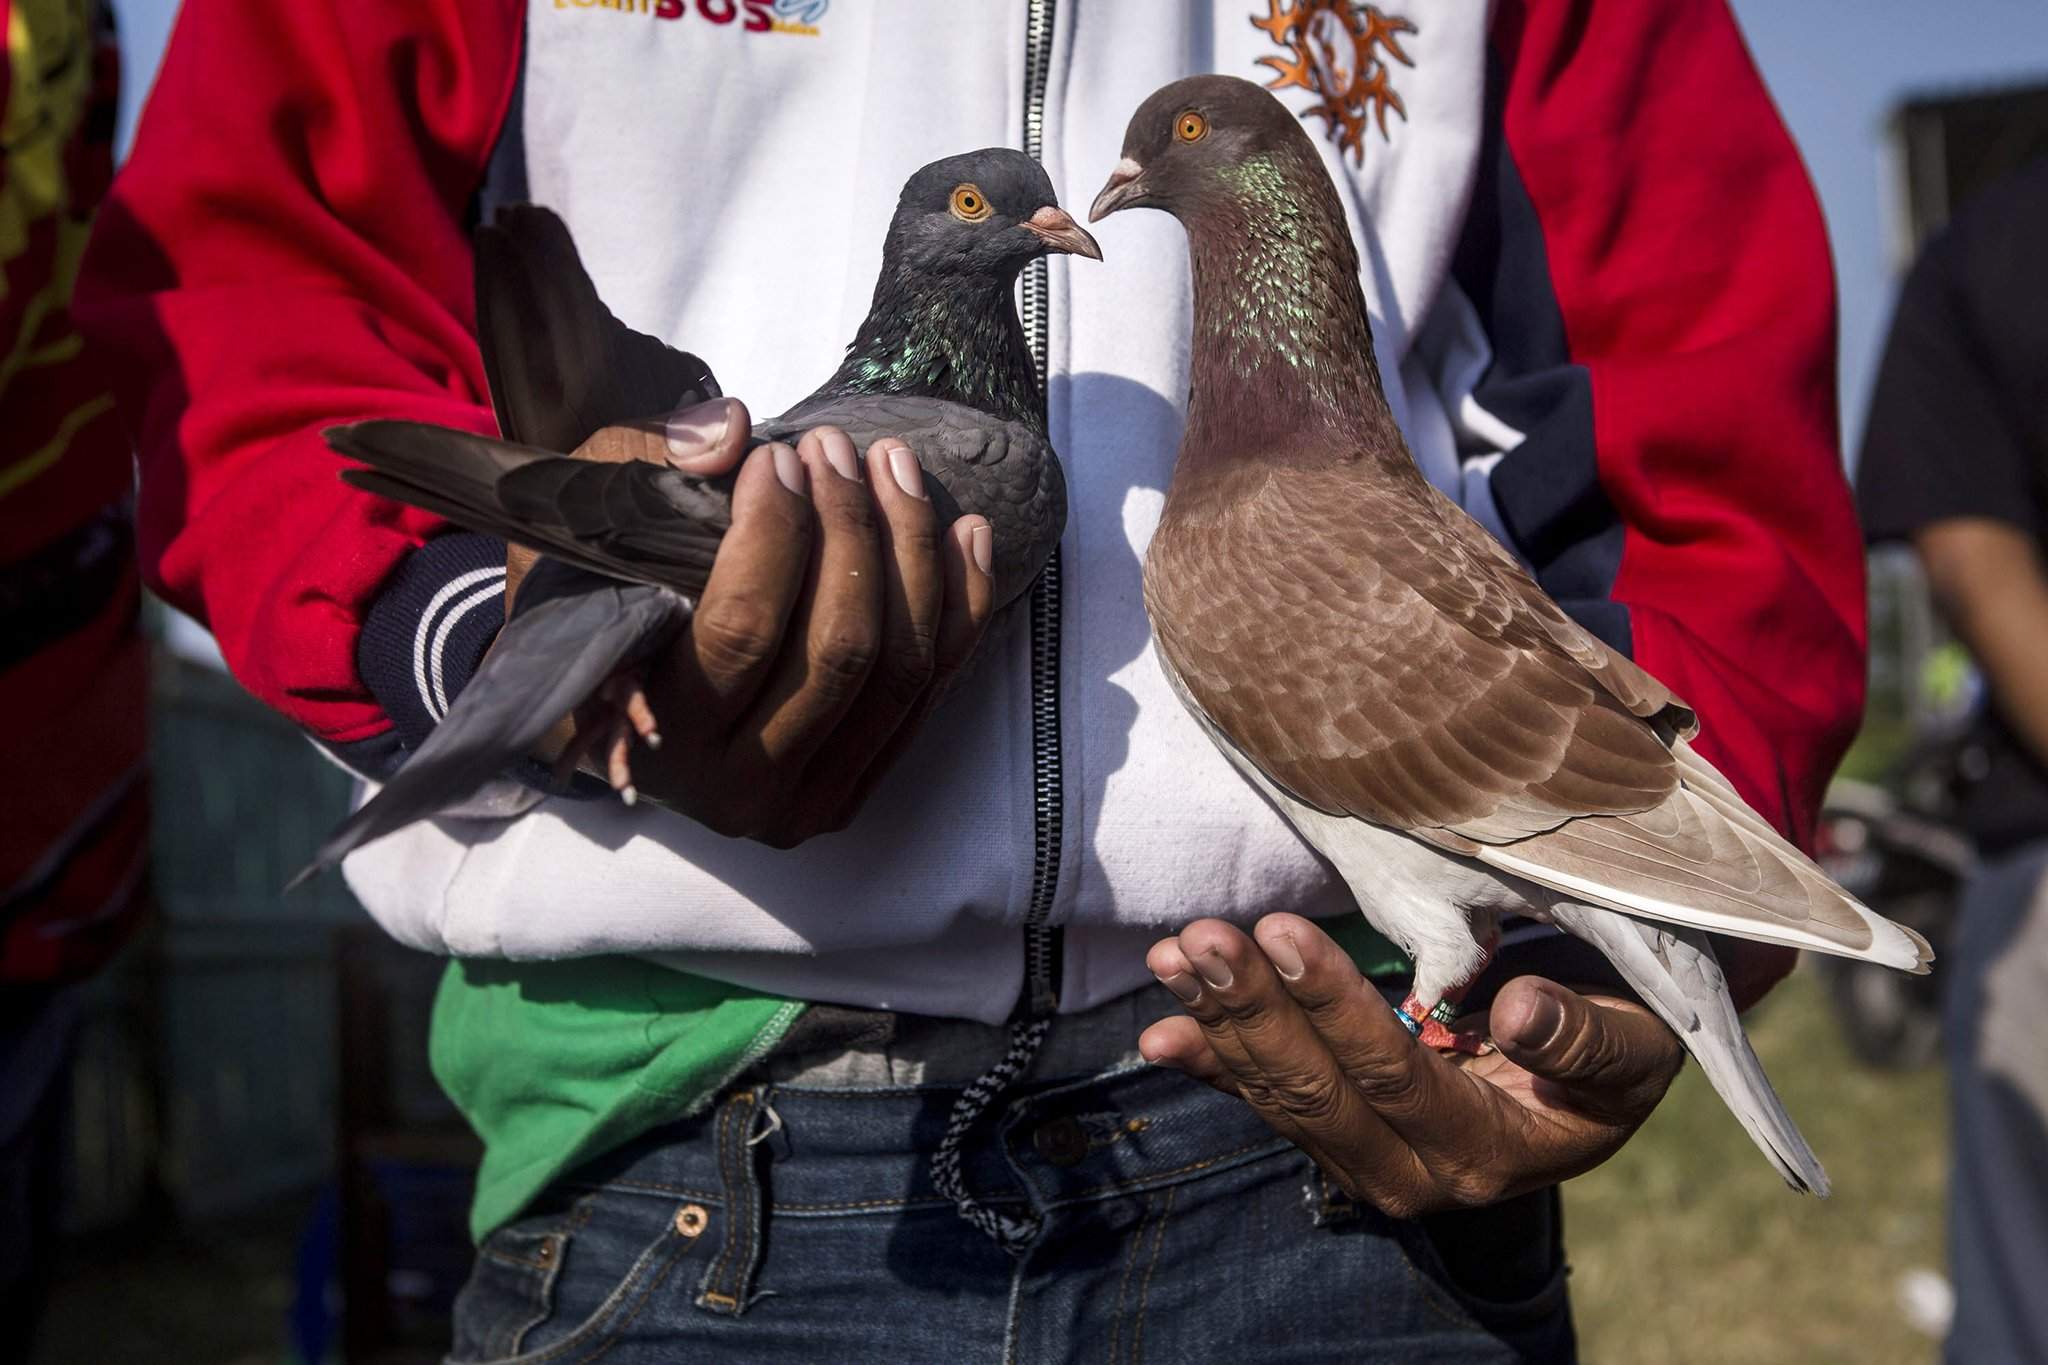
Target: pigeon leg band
1433 1027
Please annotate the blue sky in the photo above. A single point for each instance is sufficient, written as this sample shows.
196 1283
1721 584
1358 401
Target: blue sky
1837 68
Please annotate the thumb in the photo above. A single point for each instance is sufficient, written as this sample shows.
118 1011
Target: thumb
708 439
1609 1055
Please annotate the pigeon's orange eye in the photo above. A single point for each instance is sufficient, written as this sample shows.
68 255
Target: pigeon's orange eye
1190 127
969 205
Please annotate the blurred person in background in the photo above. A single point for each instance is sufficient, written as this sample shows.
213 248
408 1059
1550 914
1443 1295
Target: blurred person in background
74 814
289 248
1955 462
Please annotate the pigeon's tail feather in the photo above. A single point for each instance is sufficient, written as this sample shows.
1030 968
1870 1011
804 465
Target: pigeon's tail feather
545 662
1675 972
560 365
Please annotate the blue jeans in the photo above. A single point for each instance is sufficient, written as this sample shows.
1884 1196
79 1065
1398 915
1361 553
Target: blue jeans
796 1224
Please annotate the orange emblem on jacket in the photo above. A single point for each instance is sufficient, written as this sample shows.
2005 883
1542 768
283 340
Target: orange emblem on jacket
1339 50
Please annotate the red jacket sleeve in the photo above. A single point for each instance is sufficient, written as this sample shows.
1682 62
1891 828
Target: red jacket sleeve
285 249
1694 304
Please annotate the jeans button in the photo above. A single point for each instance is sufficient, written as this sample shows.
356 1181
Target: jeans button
1061 1141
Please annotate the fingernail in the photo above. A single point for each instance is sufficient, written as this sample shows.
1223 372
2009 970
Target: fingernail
1541 1023
1185 988
983 542
903 468
1214 971
629 794
697 431
839 453
789 467
1285 957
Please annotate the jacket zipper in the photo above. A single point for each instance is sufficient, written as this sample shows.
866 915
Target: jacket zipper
1039 1000
1048 780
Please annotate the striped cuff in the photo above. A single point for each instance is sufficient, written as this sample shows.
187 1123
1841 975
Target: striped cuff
428 629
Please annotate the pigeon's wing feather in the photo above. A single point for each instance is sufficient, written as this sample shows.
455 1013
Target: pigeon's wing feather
1676 974
1688 863
1391 671
560 365
1624 680
544 663
633 520
1405 671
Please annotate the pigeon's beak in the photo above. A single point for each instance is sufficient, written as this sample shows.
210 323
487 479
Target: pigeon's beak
1123 188
1056 227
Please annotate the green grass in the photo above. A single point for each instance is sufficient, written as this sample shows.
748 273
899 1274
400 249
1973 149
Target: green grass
1687 1247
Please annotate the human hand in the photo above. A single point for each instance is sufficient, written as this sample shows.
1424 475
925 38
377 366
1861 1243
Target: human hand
1320 1055
836 613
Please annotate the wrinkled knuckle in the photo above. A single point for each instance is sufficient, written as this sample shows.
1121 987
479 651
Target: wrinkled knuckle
917 655
852 514
1599 1054
735 634
1398 1204
1312 1101
918 541
909 670
846 649
1255 1092
1387 1088
1474 1186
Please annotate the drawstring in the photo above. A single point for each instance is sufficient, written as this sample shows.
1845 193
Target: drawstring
1011 1234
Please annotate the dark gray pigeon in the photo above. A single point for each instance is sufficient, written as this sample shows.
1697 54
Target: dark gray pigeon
1386 673
940 362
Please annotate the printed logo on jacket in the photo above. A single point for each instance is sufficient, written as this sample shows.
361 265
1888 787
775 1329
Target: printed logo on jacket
1338 50
754 16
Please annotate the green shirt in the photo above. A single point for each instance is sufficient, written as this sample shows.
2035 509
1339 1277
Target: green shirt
556 1063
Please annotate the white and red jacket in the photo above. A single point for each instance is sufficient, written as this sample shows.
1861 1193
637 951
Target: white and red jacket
1599 283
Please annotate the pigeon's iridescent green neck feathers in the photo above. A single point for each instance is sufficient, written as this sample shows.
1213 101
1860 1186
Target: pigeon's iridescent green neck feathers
1283 343
954 337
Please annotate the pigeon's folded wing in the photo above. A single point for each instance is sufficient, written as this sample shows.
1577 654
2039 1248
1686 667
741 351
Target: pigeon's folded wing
1393 670
1404 671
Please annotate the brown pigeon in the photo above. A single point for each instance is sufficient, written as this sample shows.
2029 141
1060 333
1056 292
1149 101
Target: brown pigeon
1389 675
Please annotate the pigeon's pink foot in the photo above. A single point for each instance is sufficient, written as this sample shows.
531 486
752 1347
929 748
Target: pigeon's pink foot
1432 1030
605 727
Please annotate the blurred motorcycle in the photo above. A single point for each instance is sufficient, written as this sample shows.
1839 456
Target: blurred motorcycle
1897 849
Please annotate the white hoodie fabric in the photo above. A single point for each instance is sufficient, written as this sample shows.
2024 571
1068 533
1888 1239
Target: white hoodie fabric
729 186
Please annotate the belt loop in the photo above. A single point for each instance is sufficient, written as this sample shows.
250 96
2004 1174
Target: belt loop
1328 1205
728 1285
